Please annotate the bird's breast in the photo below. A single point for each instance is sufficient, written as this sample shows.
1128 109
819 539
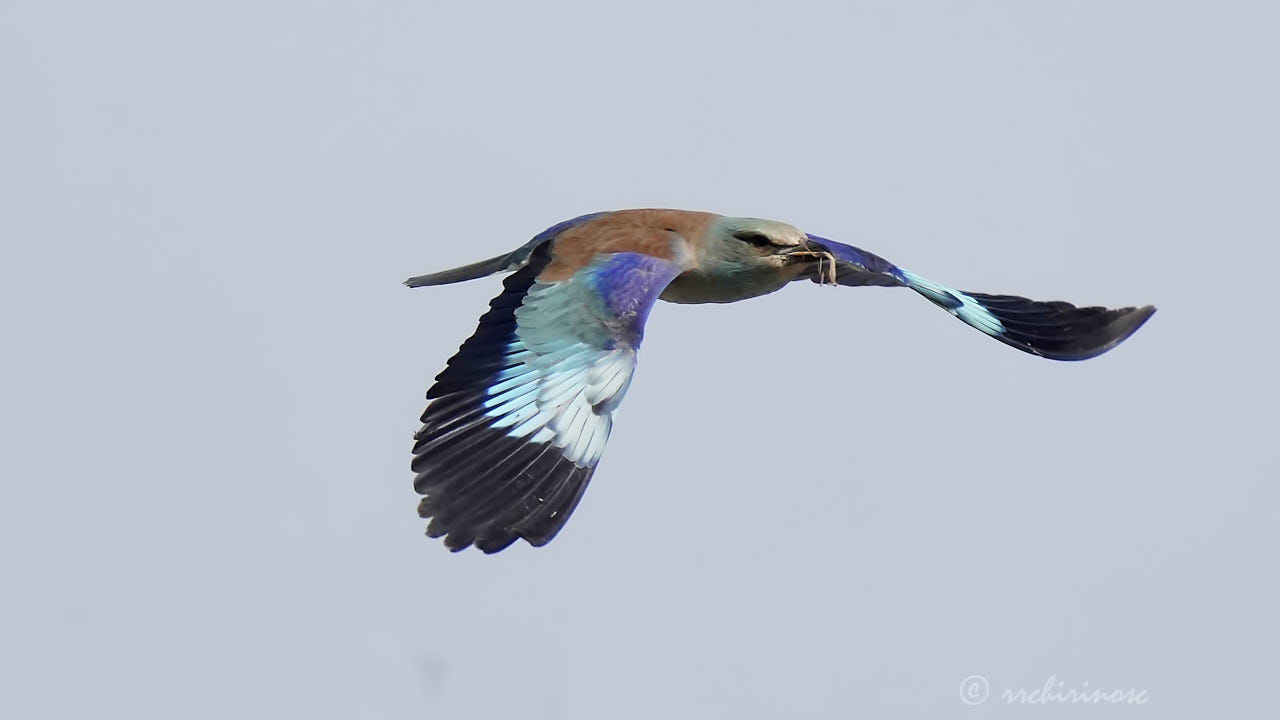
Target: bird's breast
697 286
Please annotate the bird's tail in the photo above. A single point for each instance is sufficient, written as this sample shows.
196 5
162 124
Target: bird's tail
1055 330
466 272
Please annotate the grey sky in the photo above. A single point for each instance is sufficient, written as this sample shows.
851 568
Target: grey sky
822 503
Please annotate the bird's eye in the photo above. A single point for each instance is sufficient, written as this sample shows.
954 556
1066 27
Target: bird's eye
754 238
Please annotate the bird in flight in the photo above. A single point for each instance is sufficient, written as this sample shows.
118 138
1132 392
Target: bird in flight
519 417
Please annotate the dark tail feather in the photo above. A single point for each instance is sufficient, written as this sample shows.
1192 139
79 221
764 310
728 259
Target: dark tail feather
1055 330
466 272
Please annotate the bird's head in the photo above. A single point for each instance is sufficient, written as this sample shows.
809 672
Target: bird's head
752 245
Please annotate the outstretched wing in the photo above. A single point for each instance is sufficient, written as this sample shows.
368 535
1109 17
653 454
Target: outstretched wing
520 416
1055 330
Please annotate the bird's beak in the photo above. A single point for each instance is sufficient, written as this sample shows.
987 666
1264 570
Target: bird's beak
804 251
808 252
800 249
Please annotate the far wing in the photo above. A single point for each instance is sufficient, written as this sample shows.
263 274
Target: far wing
520 416
1055 330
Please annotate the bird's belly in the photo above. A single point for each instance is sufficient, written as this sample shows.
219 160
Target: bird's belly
693 287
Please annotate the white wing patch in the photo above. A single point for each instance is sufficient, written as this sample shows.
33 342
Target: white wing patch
566 374
969 311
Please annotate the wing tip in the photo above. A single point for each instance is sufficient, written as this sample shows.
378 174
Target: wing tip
1126 323
490 537
1081 338
496 490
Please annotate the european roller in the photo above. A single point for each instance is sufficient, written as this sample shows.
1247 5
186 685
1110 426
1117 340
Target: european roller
519 417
